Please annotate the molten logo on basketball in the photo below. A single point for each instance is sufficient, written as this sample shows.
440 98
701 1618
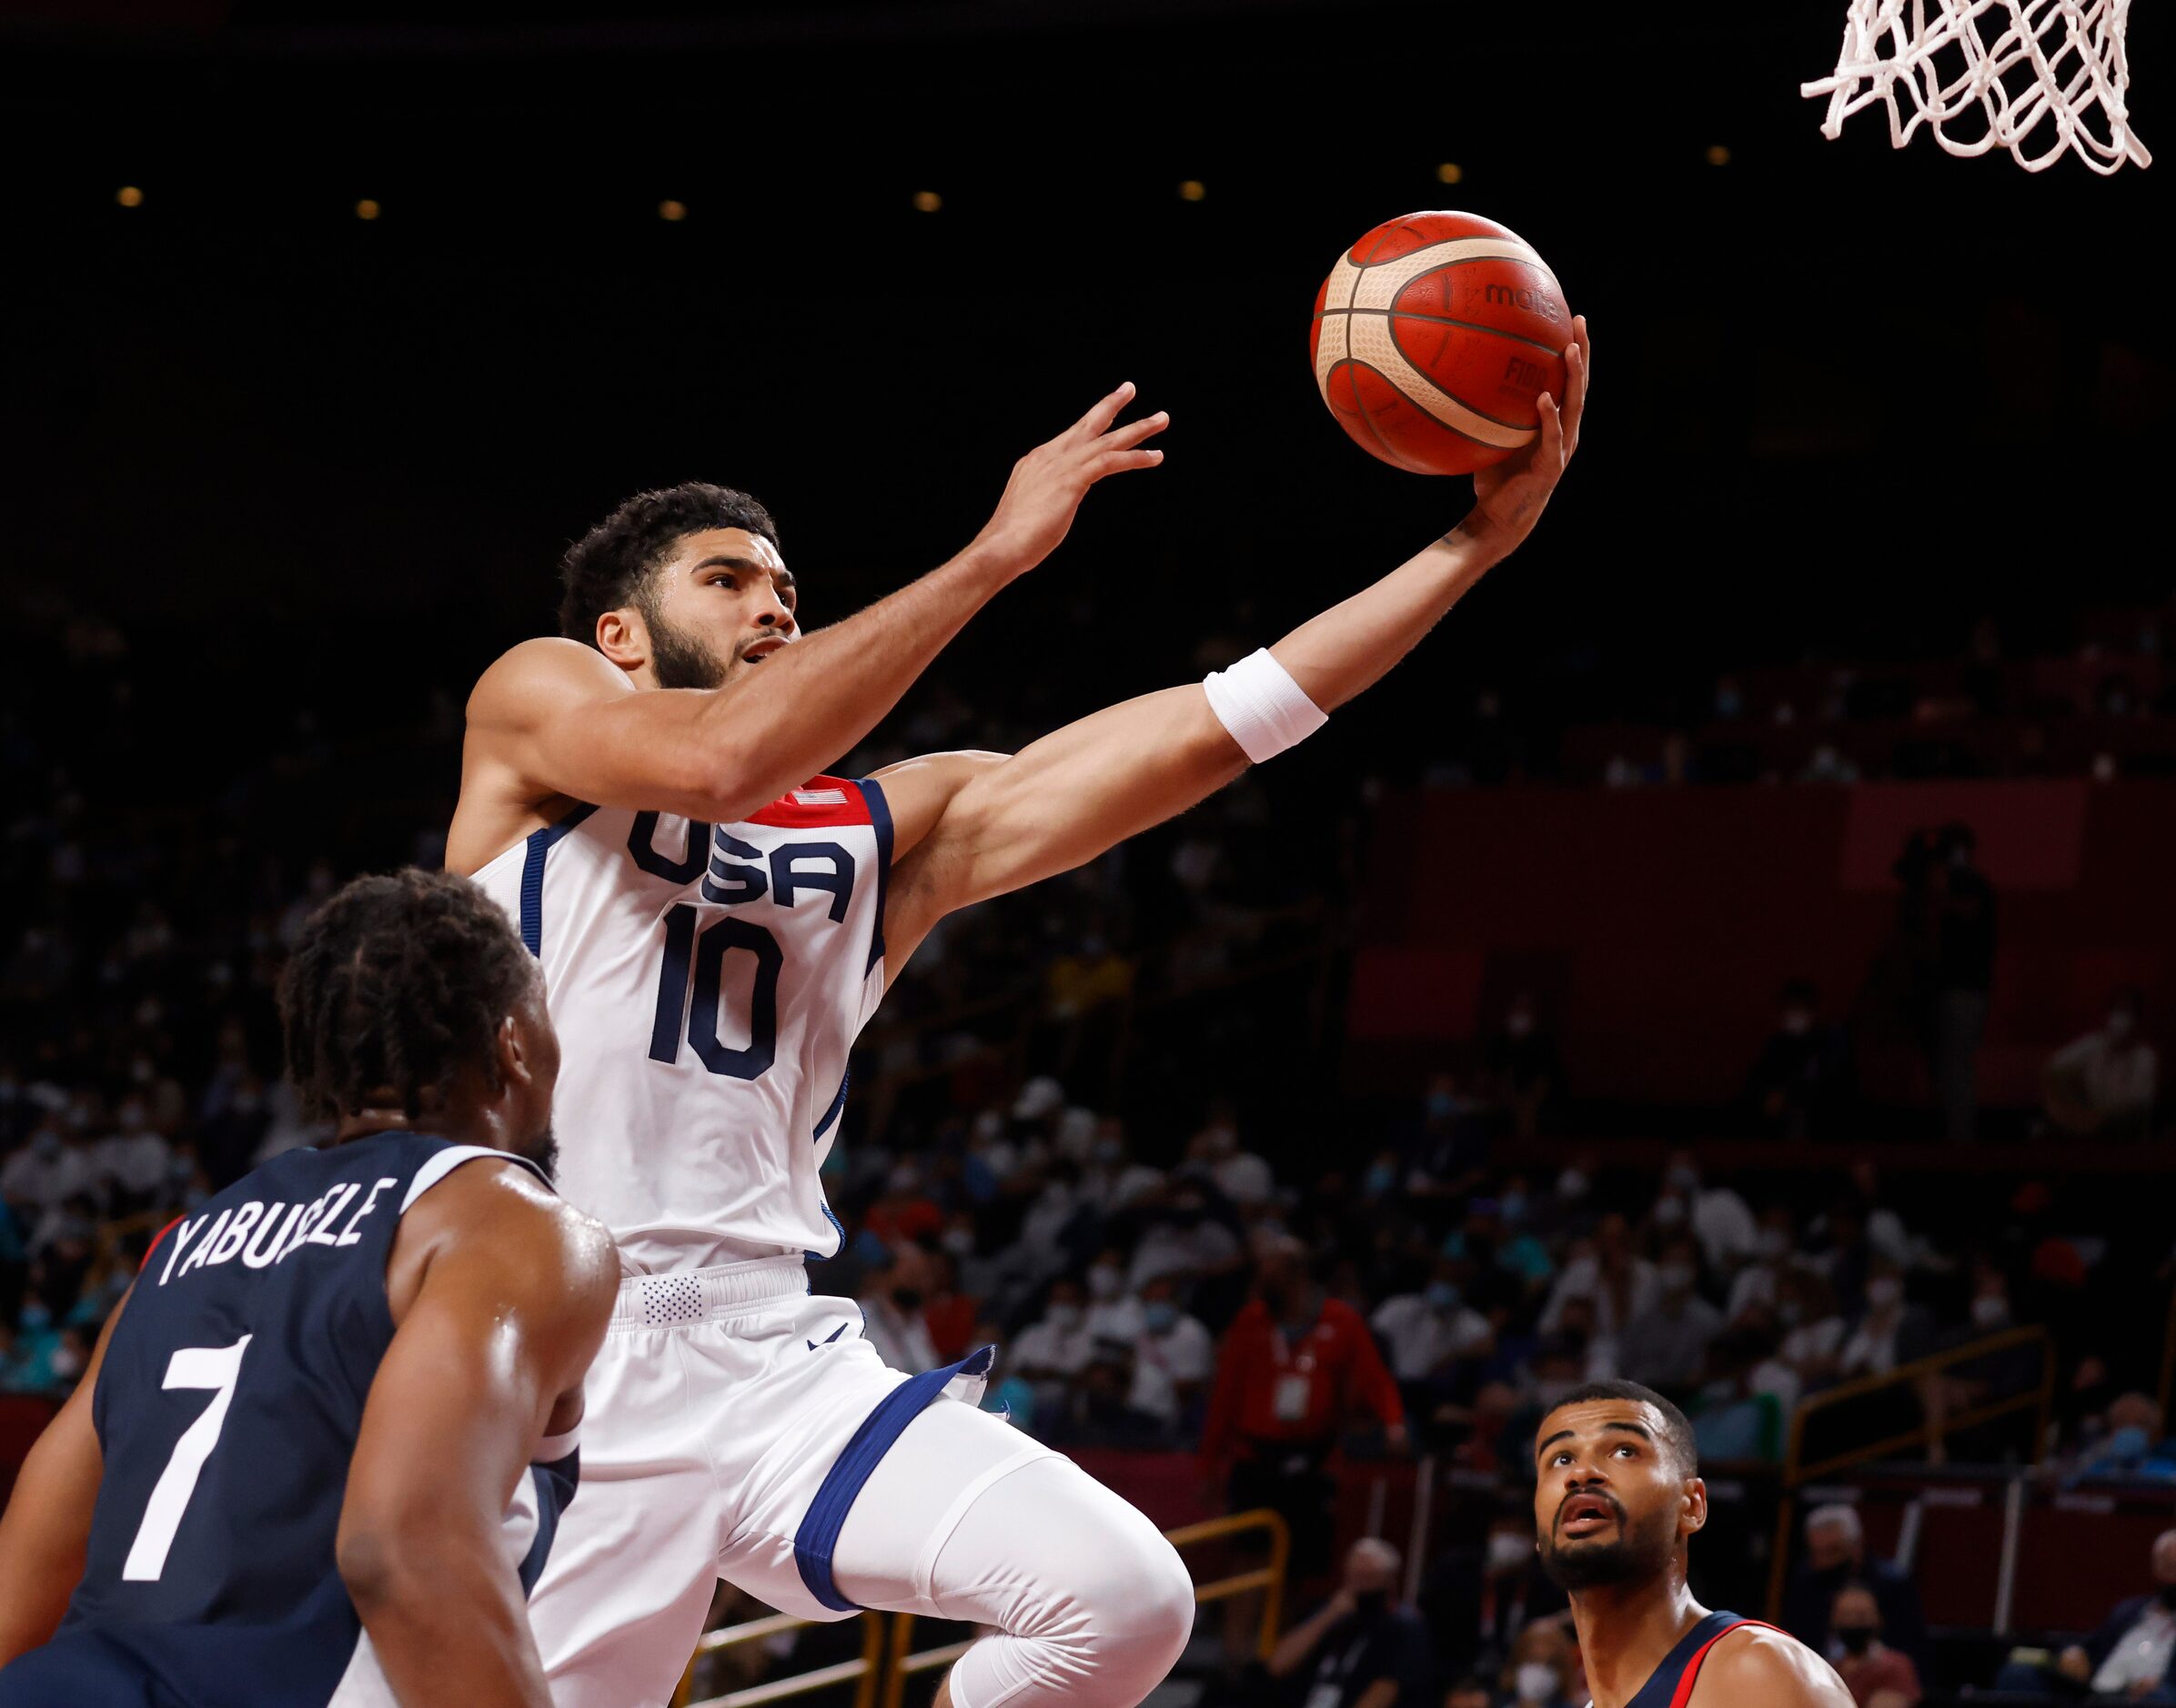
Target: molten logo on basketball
1434 337
1538 302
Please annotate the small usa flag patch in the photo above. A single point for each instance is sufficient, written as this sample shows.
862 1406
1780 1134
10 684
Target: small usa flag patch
820 797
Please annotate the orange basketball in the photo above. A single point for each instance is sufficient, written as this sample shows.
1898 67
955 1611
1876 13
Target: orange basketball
1433 338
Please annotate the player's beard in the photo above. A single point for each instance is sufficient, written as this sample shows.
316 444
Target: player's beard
1634 1553
679 659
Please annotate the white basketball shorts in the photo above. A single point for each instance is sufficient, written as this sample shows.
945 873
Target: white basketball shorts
731 1418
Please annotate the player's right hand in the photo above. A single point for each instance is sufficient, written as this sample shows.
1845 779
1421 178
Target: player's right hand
1049 483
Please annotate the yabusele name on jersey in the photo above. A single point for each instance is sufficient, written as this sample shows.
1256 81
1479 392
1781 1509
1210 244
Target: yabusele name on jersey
265 1234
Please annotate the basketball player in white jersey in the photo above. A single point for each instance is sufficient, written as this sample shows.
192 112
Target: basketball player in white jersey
716 921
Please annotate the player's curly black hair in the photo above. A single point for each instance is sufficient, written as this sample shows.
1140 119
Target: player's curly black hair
612 565
397 983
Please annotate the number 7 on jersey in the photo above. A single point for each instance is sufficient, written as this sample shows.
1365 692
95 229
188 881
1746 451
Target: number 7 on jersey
218 1369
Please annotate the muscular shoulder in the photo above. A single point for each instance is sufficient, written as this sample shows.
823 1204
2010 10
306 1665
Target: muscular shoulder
918 790
538 674
1753 1665
546 1249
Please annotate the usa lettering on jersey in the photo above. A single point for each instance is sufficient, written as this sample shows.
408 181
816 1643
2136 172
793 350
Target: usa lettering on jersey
708 981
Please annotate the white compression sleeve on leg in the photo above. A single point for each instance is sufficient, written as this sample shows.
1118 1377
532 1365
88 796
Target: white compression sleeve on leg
1266 710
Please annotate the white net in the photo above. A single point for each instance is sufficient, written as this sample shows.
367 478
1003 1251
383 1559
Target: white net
2039 78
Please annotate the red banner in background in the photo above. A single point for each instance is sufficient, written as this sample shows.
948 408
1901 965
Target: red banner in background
1665 919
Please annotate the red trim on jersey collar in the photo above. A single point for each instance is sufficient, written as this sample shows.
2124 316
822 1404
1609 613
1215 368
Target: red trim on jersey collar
1691 1675
819 802
155 1238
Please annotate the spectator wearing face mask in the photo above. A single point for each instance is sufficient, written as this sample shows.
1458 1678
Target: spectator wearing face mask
1719 1218
1889 1332
1834 1557
1877 1675
1477 1604
1429 1331
1540 1673
2103 1085
1113 1181
2133 1656
1607 1271
891 1298
1051 1352
1524 1073
1297 1370
45 1172
1186 1242
2134 1449
1999 1374
1759 1282
1173 1357
1215 1153
1360 1649
1665 1347
1446 1155
1113 1313
29 1364
1802 1083
131 1163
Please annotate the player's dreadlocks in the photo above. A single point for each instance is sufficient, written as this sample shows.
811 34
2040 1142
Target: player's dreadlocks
610 566
396 983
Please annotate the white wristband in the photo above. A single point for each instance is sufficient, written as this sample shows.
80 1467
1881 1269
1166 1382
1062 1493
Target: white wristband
1266 710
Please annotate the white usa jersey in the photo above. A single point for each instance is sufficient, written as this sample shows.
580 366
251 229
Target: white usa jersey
707 982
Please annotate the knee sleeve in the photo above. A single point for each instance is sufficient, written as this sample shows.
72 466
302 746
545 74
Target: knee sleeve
968 1519
1092 1605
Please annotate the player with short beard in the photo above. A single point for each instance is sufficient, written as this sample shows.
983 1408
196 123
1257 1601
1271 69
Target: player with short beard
1617 1500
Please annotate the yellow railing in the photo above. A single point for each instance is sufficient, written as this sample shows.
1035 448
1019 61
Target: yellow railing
1269 1579
897 1660
1797 1472
865 1668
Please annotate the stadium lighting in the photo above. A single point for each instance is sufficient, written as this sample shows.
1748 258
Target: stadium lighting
1449 172
672 210
128 196
927 201
1192 190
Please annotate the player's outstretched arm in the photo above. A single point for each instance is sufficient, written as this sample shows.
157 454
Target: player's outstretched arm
970 826
556 719
510 1306
47 1529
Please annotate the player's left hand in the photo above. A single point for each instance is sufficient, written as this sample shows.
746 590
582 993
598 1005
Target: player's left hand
1510 496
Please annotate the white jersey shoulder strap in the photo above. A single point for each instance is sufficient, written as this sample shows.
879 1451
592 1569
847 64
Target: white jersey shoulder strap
441 1164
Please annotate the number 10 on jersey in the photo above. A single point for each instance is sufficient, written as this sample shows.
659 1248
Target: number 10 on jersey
691 983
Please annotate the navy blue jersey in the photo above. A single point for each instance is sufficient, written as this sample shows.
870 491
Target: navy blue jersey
1670 1685
227 1409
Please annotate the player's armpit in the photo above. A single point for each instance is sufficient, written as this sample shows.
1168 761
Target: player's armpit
505 1317
1055 805
47 1531
1753 1665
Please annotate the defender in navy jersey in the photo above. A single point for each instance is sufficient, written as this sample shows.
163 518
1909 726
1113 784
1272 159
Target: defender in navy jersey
321 1451
1617 1500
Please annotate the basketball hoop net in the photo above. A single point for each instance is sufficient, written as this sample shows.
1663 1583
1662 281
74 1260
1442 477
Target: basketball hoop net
2033 69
